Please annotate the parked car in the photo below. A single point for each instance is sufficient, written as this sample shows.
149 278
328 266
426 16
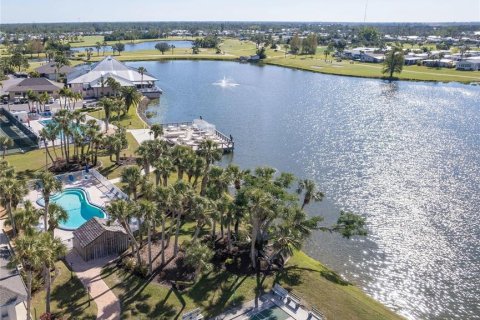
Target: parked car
51 100
24 100
16 101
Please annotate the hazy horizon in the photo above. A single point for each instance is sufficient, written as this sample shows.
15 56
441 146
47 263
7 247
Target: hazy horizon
342 11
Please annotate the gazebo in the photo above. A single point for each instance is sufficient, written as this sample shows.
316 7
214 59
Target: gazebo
98 238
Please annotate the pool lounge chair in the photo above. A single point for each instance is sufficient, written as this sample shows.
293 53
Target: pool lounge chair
315 314
192 315
71 178
280 291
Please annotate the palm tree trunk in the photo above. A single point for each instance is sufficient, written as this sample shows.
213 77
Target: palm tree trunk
45 215
10 215
29 294
163 242
221 227
48 286
229 238
165 180
253 250
214 226
203 187
149 236
177 234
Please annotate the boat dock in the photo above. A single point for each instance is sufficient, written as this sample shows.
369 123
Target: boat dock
192 133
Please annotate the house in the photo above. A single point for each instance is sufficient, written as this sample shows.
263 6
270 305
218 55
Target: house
469 65
412 60
439 63
13 292
98 238
372 57
254 58
91 80
37 85
49 71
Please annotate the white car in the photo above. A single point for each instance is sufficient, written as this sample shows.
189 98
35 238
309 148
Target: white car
51 100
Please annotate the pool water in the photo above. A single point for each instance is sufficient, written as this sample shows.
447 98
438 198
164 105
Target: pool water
79 209
273 313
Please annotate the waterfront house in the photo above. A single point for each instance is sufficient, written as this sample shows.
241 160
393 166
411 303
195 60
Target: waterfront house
372 57
13 292
91 81
37 85
469 65
98 238
50 71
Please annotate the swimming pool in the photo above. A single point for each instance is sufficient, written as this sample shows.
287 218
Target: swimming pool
272 313
79 209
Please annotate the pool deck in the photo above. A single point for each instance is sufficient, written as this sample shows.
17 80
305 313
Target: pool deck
249 309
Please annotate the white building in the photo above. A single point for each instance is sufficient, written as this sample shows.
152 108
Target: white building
91 81
469 65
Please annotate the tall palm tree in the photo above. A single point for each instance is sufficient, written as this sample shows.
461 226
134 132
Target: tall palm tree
122 211
149 212
394 62
49 186
25 218
163 168
235 175
5 143
114 85
51 249
56 215
131 97
179 155
157 130
29 255
142 71
12 191
163 198
108 105
104 46
98 46
132 177
309 190
180 198
44 135
209 150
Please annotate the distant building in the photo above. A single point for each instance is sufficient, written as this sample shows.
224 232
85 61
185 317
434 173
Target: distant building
91 80
98 238
412 60
12 289
439 63
372 57
469 65
49 70
37 85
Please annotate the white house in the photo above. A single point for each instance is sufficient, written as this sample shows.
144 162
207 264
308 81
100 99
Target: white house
91 81
469 65
372 57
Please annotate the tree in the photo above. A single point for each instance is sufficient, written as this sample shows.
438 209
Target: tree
5 143
198 256
208 150
394 62
131 97
369 36
98 46
25 219
309 44
122 211
157 130
107 104
119 47
261 53
60 61
12 191
311 193
28 253
142 71
114 85
162 47
49 185
104 46
163 199
132 177
51 249
163 168
295 44
56 215
149 212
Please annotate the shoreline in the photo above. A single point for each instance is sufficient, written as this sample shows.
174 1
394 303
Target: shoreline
141 110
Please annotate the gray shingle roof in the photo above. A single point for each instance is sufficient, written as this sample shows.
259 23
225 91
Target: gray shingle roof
36 84
49 68
94 228
12 289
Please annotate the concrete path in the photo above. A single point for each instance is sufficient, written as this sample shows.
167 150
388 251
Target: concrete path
108 305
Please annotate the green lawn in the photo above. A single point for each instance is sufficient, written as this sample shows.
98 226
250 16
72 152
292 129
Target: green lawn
87 41
69 299
220 290
130 121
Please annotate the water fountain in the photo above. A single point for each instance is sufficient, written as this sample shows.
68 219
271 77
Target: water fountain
225 83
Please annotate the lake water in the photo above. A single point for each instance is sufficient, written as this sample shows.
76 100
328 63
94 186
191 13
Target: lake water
148 45
406 155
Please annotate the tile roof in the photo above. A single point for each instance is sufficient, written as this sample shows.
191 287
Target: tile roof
94 228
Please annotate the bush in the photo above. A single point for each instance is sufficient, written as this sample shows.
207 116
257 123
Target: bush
130 263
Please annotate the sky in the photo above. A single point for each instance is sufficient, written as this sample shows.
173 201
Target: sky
28 11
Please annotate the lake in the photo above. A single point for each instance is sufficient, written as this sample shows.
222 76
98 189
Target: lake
406 155
148 45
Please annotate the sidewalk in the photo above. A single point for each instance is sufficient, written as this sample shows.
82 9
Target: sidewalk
108 305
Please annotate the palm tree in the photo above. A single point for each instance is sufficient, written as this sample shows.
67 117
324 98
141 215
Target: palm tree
311 193
98 46
25 219
235 175
394 62
5 142
209 150
200 211
29 255
163 198
157 130
114 85
163 168
49 185
122 211
131 97
148 210
132 177
12 191
56 215
181 196
198 256
142 71
51 249
107 104
104 46
44 135
179 154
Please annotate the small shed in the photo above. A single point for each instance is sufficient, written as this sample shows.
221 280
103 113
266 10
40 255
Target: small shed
98 238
